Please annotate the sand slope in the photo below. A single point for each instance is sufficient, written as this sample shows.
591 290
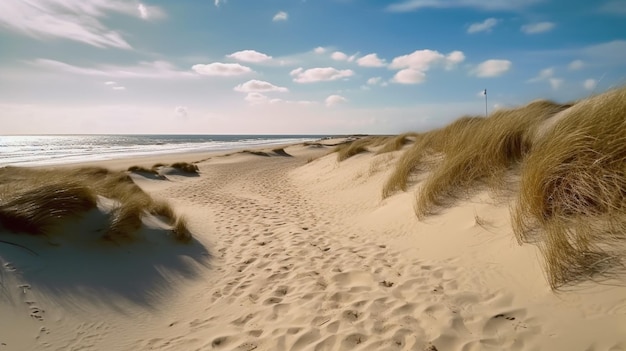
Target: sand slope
305 256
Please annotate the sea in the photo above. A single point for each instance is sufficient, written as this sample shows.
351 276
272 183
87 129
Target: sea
38 150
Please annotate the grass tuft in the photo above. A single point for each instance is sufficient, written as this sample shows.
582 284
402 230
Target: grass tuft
36 211
347 150
185 167
397 143
139 169
34 201
573 189
181 231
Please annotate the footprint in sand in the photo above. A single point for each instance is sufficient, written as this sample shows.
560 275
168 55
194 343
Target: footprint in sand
37 313
9 267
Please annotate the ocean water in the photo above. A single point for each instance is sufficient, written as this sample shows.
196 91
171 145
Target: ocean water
37 150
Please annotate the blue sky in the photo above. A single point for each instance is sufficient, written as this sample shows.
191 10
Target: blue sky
295 66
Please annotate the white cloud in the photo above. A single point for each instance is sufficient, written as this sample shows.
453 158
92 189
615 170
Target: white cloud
254 85
492 5
181 111
319 74
218 2
413 67
536 28
547 75
422 60
319 50
555 83
249 56
484 26
371 60
119 88
590 84
155 69
280 16
221 69
544 74
409 76
75 20
454 58
334 100
576 65
143 11
492 68
374 80
110 82
340 56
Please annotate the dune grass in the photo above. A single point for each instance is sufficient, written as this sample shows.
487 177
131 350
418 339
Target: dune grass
180 166
427 146
572 195
481 152
140 169
571 159
396 143
281 152
35 201
473 150
347 150
36 210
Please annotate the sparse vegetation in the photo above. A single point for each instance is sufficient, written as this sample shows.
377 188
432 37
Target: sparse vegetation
34 201
347 150
139 169
36 210
397 143
256 153
572 194
281 152
185 167
573 190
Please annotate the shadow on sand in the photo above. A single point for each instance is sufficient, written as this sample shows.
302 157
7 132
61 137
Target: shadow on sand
77 266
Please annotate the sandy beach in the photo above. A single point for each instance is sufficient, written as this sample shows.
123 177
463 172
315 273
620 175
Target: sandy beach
299 252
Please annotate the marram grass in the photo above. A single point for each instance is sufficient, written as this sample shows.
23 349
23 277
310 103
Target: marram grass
35 201
571 162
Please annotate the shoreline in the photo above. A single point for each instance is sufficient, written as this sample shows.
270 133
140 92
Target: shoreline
75 149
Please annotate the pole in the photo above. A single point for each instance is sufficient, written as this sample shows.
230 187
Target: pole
485 93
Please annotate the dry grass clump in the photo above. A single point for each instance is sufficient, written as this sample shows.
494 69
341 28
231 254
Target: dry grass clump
573 190
398 142
281 152
140 169
481 151
411 161
256 153
185 167
347 150
181 231
35 200
572 164
36 210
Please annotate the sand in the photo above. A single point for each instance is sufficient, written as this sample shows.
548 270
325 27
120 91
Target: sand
299 253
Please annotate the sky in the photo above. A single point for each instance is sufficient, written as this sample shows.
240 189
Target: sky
295 66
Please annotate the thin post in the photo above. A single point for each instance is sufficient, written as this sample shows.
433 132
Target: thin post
485 93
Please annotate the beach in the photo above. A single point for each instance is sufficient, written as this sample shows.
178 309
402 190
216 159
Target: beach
298 251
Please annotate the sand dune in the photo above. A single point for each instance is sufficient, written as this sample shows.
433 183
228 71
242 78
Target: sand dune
295 250
293 255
